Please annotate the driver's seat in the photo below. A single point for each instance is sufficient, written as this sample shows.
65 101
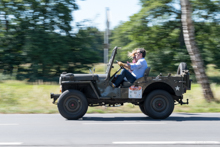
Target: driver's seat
146 73
127 84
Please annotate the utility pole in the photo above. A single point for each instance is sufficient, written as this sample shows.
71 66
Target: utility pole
106 36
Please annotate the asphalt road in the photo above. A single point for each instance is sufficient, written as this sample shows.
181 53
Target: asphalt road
97 130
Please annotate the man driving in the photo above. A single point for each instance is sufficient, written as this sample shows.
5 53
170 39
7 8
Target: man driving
137 69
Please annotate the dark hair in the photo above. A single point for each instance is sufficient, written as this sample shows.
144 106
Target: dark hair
142 50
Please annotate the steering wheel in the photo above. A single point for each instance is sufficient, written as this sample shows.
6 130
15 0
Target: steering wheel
121 67
113 76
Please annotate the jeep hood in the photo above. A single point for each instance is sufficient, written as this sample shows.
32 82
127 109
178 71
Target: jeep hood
82 77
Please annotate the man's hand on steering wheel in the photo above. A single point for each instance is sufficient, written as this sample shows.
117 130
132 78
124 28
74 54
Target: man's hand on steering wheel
121 64
126 66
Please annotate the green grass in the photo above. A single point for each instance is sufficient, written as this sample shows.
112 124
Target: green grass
197 103
20 97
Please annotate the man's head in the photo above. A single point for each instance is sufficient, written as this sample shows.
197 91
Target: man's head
140 53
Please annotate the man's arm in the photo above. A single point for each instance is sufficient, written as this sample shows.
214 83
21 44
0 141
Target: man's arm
127 66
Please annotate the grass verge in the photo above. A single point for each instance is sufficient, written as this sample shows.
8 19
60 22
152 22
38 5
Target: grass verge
20 97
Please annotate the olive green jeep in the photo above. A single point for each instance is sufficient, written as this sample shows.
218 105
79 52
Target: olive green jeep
156 96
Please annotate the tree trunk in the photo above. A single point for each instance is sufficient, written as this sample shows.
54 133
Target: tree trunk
197 62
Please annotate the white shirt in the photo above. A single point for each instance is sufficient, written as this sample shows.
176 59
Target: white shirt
139 68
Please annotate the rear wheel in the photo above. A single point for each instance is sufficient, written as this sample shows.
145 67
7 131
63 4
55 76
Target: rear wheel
72 104
141 106
159 104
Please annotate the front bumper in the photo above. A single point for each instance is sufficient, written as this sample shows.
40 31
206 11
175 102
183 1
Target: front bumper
54 97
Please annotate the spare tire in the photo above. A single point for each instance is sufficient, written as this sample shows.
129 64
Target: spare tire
182 66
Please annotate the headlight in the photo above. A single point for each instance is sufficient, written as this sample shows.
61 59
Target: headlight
60 88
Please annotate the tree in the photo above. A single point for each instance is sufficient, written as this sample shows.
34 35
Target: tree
91 41
49 54
197 62
120 37
20 18
157 28
37 40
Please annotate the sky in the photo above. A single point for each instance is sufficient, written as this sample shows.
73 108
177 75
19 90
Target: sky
95 10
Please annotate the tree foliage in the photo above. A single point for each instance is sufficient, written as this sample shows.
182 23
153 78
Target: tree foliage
157 27
36 39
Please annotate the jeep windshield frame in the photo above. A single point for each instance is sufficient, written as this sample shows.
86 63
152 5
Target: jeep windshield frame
111 60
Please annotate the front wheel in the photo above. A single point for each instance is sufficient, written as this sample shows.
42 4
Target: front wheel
159 104
72 104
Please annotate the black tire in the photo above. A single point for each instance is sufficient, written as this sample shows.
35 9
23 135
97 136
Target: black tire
141 106
72 104
182 66
159 104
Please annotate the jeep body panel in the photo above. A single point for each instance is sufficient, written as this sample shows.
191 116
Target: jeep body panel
105 90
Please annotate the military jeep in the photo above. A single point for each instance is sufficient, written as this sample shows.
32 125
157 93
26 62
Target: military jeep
156 96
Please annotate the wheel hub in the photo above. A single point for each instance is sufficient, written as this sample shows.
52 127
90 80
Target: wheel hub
72 104
159 104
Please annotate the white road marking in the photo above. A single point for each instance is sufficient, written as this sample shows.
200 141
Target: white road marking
11 143
124 123
167 142
8 124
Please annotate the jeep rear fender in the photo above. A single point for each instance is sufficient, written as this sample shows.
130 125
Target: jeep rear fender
158 85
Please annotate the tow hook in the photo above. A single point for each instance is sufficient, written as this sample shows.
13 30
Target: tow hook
54 97
181 102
